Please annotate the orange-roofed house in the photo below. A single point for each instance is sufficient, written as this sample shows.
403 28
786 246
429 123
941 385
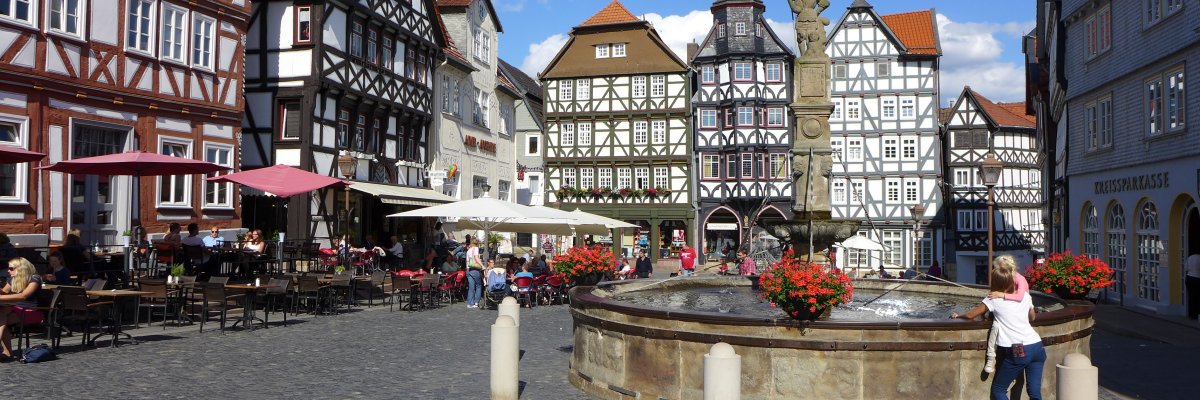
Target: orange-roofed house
974 127
885 134
617 138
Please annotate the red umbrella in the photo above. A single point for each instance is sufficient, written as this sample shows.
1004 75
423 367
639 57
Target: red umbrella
12 155
135 163
281 180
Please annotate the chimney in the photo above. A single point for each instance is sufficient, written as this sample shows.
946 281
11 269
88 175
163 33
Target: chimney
692 49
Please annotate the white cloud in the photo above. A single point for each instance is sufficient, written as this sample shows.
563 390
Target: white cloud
972 56
786 32
540 54
679 30
510 5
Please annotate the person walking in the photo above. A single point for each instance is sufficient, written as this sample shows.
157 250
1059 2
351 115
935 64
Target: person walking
1018 345
474 274
745 264
643 267
1193 285
687 260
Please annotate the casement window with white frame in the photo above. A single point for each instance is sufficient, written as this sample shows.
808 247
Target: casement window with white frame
1154 106
583 89
893 244
743 71
710 166
372 45
641 178
569 177
774 71
174 33
892 192
962 178
1098 30
356 39
624 178
303 34
446 93
836 113
911 192
708 74
602 50
483 46
566 134
839 192
852 109
658 86
485 107
720 30
639 87
503 188
883 69
139 26
854 150
586 178
777 166
836 144
175 190
605 177
533 144
203 29
889 108
856 192
909 149
890 150
23 11
981 220
618 50
64 16
964 220
908 108
746 166
218 195
566 90
662 175
658 132
583 131
1175 100
640 132
1156 10
839 71
13 176
708 119
745 116
289 118
739 28
343 129
775 116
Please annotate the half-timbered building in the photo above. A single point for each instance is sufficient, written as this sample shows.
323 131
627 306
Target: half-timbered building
742 81
617 139
327 79
975 127
88 78
885 131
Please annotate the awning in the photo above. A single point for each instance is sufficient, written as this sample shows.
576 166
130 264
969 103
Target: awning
403 195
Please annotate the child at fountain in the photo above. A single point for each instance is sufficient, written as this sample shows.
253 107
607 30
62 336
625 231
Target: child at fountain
1019 343
1008 265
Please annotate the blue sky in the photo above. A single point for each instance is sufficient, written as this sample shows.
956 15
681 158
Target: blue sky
980 39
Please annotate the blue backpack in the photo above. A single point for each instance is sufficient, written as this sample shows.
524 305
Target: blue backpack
37 353
496 282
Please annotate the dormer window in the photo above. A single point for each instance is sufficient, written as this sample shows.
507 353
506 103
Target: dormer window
618 50
602 50
739 28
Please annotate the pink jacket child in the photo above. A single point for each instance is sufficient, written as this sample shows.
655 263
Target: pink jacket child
1017 295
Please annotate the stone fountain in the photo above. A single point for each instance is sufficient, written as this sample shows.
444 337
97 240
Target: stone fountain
812 231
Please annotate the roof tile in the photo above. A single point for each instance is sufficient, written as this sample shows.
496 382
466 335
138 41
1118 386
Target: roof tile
915 30
614 13
1005 114
453 3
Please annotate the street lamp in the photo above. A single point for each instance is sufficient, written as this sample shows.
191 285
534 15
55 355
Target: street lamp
918 212
990 169
348 166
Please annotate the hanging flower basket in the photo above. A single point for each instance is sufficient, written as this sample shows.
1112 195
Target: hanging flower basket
1070 276
803 290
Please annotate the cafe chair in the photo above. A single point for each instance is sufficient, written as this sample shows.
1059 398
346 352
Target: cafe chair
276 297
216 300
526 292
76 308
402 286
157 299
30 317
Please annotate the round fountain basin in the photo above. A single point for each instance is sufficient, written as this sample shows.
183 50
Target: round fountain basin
647 338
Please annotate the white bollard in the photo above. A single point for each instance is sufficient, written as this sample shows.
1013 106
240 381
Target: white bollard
505 357
511 308
722 373
1077 378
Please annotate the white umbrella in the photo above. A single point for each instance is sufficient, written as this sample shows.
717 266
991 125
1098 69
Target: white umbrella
610 223
860 242
490 214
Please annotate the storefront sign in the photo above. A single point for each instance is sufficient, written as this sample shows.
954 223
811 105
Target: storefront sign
722 226
470 141
1133 183
487 146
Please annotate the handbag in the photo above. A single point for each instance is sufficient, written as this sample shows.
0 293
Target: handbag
37 353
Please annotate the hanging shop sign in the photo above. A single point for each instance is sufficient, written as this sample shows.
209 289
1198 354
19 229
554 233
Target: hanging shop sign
722 226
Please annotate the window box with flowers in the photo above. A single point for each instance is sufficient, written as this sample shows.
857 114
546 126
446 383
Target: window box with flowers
625 192
805 291
584 265
1069 276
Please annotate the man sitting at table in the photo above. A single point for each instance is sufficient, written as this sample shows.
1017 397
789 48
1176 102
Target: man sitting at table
395 254
194 249
214 238
59 274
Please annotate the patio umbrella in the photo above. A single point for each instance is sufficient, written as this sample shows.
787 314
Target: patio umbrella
281 180
13 155
552 221
489 214
588 217
860 242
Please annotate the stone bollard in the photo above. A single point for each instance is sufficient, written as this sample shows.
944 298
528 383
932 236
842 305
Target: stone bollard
1077 378
722 373
505 357
511 308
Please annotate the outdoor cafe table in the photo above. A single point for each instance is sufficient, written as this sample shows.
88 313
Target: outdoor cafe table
251 294
116 296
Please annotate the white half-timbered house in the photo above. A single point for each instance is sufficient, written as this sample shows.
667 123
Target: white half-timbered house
975 127
85 78
618 141
332 78
742 80
884 125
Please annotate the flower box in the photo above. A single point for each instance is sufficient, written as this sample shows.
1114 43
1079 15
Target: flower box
805 291
1069 276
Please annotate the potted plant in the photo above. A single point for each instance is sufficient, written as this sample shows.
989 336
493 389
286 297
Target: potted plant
125 235
597 193
177 270
564 192
585 265
805 291
1069 276
663 191
338 270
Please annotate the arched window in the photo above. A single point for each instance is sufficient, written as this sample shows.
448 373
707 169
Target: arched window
1091 232
1149 247
1117 256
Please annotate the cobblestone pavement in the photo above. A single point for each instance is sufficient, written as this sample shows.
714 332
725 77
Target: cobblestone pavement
371 353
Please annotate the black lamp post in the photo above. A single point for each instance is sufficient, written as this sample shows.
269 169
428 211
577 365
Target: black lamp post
990 169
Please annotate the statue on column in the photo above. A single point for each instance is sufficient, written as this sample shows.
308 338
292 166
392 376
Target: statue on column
810 26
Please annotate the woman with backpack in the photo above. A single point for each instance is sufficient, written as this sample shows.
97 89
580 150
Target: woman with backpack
474 274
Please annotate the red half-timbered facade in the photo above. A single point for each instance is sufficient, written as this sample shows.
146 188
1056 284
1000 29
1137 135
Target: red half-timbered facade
82 78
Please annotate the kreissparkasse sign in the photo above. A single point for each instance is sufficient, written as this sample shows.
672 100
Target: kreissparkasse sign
1158 180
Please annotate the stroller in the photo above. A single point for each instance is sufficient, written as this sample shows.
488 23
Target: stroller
495 288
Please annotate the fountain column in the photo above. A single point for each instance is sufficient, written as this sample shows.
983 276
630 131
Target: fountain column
812 231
